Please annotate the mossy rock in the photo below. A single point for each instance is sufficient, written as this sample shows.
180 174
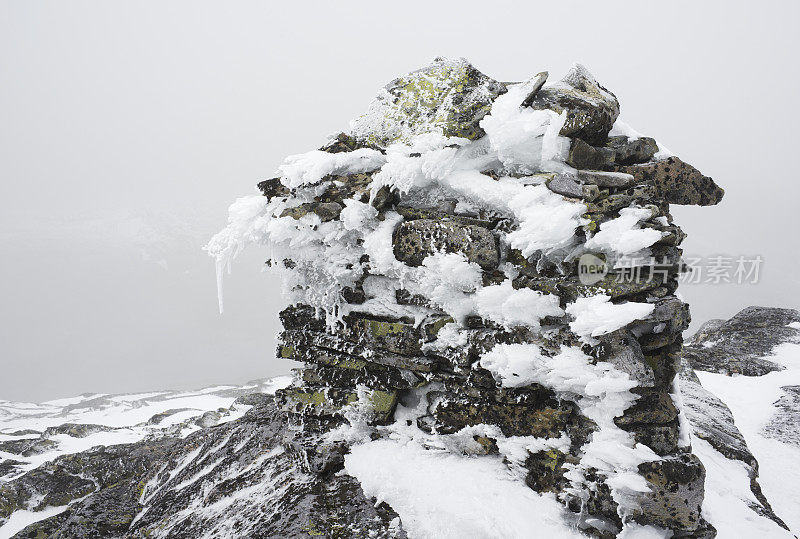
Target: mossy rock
448 97
324 401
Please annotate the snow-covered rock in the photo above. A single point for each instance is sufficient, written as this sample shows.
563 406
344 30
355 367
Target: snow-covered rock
746 414
461 377
431 261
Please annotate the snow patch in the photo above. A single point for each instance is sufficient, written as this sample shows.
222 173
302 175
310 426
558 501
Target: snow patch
596 315
601 392
751 401
624 234
440 495
311 167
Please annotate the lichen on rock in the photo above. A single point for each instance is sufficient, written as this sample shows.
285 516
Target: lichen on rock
448 97
446 281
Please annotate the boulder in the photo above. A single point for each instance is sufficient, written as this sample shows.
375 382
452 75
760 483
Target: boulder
566 185
448 97
453 414
632 151
606 179
591 109
738 345
677 182
585 156
415 240
677 487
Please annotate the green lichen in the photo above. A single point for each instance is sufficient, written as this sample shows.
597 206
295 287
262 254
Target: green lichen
552 458
309 398
354 364
140 486
592 225
448 96
383 402
433 329
652 361
311 529
7 508
379 328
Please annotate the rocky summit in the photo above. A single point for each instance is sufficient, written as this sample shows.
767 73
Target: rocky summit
434 258
482 315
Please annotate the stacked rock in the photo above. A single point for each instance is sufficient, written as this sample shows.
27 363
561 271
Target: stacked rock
495 259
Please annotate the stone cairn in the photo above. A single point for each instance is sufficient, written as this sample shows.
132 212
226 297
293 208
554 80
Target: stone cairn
370 338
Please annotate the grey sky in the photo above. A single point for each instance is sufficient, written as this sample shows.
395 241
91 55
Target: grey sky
126 129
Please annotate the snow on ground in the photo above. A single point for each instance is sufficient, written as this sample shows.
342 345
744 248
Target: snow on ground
438 492
751 400
20 519
122 419
727 487
441 495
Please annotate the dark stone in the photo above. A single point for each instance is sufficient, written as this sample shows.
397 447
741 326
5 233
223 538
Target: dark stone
384 198
440 213
591 109
677 182
326 349
663 439
273 188
75 430
354 295
326 211
665 363
566 185
546 470
631 152
341 188
415 240
677 487
639 194
606 179
621 349
370 375
345 143
584 156
541 78
738 345
327 402
301 317
542 420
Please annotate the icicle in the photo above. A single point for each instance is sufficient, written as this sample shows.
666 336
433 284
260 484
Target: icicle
220 265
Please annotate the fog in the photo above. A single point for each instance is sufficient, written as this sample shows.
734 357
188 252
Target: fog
127 128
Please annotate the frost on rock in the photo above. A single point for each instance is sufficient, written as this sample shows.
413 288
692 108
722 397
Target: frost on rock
596 315
430 258
623 234
448 97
